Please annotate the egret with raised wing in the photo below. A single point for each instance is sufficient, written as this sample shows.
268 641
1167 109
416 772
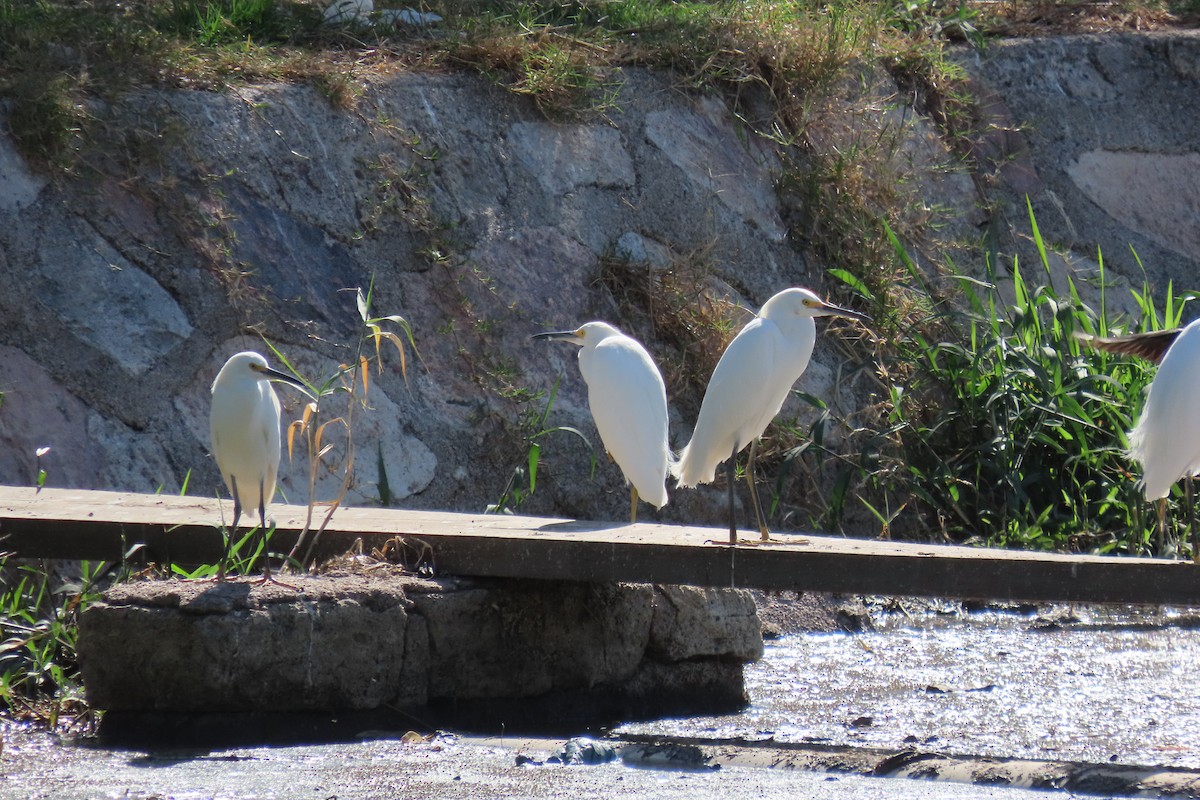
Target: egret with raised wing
1166 439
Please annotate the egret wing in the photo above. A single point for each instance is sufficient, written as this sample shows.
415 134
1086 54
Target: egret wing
737 405
1151 346
246 441
1166 440
629 405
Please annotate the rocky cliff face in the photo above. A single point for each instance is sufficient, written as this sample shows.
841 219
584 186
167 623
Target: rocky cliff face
1100 137
206 220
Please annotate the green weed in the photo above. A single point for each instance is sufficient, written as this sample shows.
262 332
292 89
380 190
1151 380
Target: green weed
350 383
245 556
522 482
1002 428
39 672
41 472
217 22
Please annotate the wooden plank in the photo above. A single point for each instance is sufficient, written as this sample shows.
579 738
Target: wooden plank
58 523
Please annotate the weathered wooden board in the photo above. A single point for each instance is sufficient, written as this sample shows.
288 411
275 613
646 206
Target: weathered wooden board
61 523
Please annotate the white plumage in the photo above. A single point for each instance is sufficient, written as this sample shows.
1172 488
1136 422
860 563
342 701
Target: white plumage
1166 439
629 406
749 386
244 423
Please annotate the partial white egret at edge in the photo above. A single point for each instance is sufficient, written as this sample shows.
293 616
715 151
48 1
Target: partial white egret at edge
1166 439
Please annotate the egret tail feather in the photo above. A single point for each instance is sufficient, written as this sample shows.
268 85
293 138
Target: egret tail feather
675 466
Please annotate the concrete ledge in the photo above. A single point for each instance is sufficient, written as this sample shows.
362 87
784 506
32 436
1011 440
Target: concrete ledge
370 640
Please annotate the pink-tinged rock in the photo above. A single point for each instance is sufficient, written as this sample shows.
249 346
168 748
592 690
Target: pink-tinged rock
1155 194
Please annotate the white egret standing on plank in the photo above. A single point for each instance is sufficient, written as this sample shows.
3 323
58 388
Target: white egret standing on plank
245 438
748 388
629 405
1166 439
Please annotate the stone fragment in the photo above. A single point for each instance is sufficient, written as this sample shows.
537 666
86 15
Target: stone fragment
1155 194
549 636
19 186
107 301
174 646
737 176
693 621
86 448
637 249
1184 55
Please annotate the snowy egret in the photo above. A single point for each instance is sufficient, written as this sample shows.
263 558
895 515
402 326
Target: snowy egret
748 387
629 405
1166 438
245 437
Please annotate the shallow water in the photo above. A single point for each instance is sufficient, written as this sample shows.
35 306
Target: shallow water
1116 686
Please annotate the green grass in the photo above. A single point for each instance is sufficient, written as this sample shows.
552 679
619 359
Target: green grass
39 673
535 426
246 548
59 54
230 22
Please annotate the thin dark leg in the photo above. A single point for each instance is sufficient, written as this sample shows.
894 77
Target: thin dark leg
230 534
1162 526
262 526
263 523
758 512
731 469
1191 518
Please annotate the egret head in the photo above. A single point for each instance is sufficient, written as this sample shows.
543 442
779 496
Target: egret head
587 335
251 366
804 303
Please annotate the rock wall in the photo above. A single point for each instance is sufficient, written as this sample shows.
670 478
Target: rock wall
358 641
200 221
213 218
1097 132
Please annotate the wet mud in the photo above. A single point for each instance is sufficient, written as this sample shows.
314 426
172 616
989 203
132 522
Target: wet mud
990 703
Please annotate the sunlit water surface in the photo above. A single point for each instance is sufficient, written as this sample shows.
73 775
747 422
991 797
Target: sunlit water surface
1116 686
